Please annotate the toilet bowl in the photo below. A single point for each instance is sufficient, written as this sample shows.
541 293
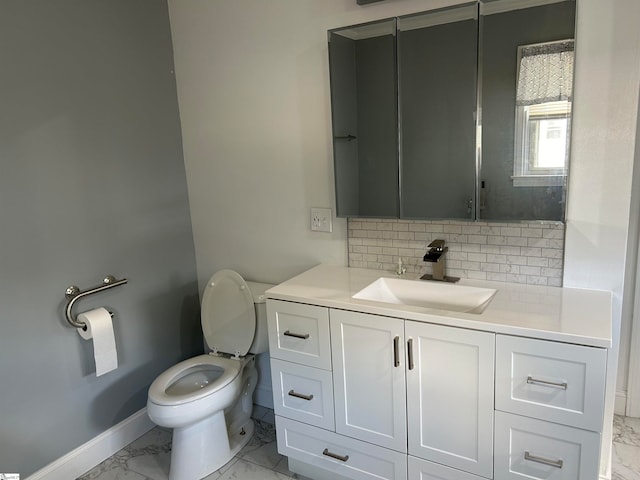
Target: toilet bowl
207 399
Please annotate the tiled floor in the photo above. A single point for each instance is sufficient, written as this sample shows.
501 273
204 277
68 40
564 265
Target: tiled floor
626 448
148 457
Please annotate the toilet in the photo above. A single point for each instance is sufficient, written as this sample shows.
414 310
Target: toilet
207 400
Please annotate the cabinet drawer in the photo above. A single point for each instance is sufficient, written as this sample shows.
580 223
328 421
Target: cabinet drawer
552 381
303 393
420 469
299 333
533 449
337 454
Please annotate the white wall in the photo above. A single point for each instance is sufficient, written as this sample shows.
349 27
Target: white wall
604 130
603 144
254 100
253 88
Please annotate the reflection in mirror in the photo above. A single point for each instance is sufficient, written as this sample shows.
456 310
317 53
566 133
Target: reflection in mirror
437 64
364 114
526 89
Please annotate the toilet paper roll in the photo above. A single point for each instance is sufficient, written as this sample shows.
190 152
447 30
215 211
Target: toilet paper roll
100 330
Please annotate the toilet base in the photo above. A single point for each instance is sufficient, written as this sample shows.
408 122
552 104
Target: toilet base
201 449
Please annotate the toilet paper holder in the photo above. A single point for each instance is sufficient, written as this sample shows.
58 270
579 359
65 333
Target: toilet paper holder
73 294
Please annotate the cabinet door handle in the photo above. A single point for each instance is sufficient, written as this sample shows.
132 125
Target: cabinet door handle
542 460
293 393
410 353
335 455
303 336
396 353
531 380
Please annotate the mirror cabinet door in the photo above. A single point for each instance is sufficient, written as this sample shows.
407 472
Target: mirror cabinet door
364 115
408 96
437 65
526 82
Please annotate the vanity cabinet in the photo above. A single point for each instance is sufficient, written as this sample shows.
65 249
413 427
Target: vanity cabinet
377 397
305 385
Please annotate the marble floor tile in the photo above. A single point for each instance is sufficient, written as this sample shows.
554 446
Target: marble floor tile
243 470
153 466
106 471
148 457
626 461
626 430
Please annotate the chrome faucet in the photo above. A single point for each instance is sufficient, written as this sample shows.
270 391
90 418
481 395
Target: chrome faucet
436 255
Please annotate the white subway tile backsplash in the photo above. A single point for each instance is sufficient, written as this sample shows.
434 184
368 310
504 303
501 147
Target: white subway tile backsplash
530 253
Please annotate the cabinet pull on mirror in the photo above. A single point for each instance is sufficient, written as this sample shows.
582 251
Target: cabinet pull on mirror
335 455
396 354
303 336
293 393
410 353
535 381
544 461
348 138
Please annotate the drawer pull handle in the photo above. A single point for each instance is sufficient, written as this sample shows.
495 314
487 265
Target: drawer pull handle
410 353
293 393
396 354
335 455
531 380
544 461
303 336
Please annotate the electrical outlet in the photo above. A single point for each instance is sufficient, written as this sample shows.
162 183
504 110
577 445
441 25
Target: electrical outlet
321 220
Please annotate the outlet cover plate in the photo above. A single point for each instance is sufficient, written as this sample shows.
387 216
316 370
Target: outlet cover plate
321 220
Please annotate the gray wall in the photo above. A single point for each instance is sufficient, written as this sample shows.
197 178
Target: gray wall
92 182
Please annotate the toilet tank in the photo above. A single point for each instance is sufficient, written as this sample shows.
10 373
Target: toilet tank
261 339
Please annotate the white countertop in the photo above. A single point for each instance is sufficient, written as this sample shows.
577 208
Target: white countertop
561 314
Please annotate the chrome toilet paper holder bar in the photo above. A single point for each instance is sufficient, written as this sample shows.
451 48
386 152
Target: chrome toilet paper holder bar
73 294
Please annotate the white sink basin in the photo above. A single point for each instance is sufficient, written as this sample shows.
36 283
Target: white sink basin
429 294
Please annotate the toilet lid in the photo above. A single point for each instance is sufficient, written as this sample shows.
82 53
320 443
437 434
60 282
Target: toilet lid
228 313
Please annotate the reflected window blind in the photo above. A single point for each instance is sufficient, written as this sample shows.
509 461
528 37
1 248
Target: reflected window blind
545 73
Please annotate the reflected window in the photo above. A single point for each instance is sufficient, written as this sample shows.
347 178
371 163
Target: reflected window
543 112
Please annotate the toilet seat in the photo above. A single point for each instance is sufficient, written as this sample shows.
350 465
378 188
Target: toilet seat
193 379
228 314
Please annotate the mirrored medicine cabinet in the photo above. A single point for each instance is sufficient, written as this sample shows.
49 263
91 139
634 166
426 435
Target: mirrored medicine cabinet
456 113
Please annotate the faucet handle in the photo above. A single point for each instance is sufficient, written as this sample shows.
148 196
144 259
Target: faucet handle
437 244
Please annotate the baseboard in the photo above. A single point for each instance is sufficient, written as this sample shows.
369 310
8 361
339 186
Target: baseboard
620 405
96 450
263 395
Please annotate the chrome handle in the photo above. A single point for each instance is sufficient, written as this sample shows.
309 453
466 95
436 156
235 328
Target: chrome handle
335 455
300 395
542 460
410 353
303 336
396 354
535 381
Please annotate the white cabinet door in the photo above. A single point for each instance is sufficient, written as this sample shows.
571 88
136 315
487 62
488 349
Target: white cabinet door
302 393
419 469
299 333
369 378
450 396
532 449
551 381
340 456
